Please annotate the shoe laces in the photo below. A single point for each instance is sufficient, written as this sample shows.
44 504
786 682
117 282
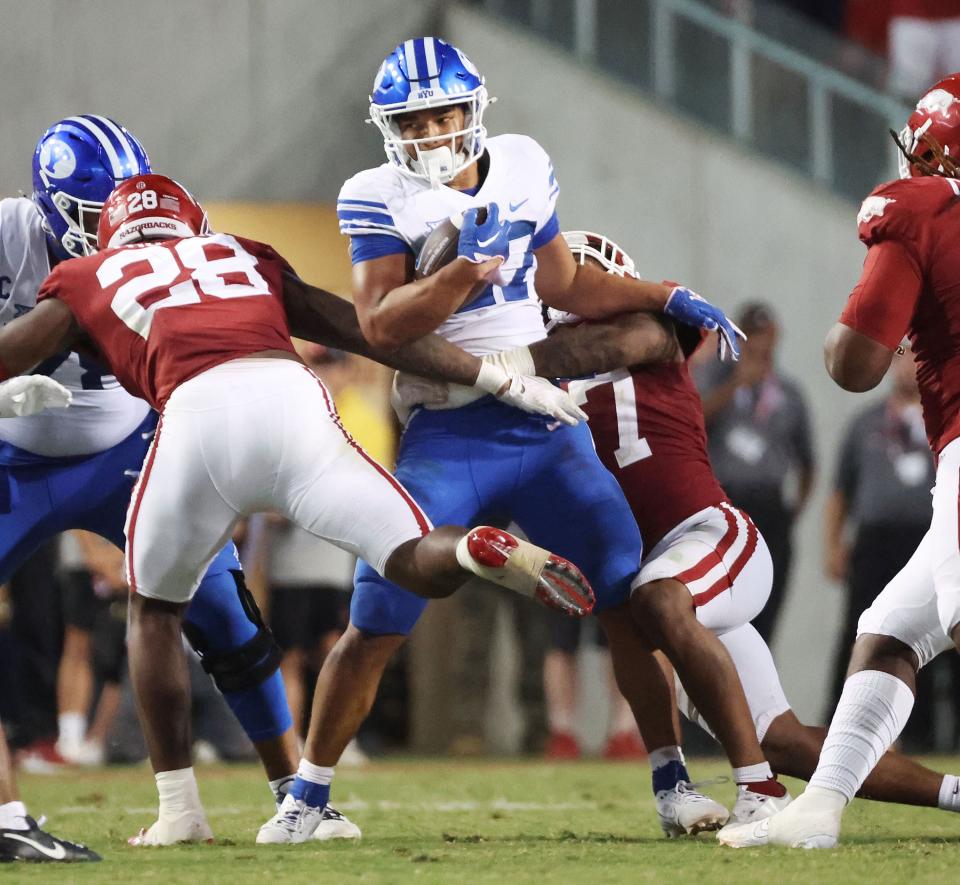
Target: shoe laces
698 786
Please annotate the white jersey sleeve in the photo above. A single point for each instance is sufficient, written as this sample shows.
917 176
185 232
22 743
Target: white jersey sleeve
383 210
102 413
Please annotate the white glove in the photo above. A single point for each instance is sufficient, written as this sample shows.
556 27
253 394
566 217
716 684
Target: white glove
539 396
29 394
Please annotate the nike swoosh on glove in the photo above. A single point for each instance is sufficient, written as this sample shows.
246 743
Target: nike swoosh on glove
29 394
480 242
689 308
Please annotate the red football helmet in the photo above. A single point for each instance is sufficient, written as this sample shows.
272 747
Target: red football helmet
149 207
930 142
585 244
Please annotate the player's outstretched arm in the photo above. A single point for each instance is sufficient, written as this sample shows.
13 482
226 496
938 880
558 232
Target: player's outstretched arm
589 348
321 316
45 331
590 292
854 360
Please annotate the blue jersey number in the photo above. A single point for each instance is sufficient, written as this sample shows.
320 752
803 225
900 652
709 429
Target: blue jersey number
93 373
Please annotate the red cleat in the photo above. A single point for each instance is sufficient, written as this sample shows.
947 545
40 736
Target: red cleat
624 746
561 747
507 560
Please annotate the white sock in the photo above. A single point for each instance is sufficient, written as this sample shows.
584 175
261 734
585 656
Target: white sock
178 791
753 774
281 786
872 711
316 774
949 793
13 816
665 755
72 727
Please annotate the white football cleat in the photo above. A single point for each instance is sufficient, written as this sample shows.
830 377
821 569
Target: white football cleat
812 820
294 822
171 828
334 825
751 807
685 812
509 561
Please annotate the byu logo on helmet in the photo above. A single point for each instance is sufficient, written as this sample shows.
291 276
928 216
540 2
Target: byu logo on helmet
57 160
422 74
78 162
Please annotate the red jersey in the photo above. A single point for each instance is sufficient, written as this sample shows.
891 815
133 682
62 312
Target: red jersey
647 426
912 228
162 312
932 9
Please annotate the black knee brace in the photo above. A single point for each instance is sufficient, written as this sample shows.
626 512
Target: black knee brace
247 666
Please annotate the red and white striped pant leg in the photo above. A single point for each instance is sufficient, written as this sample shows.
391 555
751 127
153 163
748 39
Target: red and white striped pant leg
945 537
177 520
722 559
332 488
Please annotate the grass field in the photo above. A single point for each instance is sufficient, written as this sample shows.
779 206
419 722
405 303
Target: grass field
439 821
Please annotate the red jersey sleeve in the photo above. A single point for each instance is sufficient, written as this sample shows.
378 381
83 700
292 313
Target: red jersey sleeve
266 252
882 303
893 223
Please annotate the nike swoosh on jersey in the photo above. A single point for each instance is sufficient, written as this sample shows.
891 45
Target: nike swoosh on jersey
58 852
514 208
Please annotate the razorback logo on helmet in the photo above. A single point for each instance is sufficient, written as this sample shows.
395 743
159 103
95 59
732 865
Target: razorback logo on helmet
936 101
873 207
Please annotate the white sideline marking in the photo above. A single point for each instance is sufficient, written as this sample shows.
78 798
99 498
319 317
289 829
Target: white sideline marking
362 805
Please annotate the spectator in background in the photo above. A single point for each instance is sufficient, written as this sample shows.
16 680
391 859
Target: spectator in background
91 664
36 627
876 515
758 430
560 686
924 41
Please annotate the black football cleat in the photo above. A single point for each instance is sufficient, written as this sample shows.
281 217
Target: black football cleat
37 846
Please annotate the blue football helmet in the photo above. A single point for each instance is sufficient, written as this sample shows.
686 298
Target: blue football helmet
427 73
77 163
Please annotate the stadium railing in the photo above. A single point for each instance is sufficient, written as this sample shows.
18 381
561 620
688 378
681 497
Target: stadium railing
808 99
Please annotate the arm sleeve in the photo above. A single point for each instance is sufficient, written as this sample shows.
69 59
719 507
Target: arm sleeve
882 303
548 225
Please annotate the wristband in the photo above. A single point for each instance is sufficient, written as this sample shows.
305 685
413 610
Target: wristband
491 378
518 361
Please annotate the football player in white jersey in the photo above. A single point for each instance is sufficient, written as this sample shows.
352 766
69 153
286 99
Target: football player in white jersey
75 468
470 457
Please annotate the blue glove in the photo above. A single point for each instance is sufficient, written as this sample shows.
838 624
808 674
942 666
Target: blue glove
481 242
690 309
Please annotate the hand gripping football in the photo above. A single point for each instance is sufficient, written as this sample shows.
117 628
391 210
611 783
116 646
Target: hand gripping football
440 246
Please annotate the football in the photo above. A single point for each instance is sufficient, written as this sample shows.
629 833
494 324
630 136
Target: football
440 246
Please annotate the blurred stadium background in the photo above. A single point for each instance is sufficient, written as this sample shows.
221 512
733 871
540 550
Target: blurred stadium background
724 144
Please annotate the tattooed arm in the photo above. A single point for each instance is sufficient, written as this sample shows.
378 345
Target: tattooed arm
320 316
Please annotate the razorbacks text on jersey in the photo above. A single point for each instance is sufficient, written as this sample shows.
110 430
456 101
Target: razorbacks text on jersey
386 212
914 224
102 414
203 301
